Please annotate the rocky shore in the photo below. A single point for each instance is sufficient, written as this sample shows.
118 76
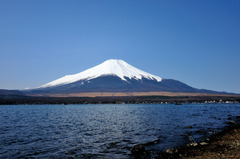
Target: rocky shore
225 144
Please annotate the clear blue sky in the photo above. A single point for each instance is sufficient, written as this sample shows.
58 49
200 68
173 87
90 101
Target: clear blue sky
196 42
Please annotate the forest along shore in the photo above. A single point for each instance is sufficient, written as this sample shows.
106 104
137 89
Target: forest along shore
19 100
225 144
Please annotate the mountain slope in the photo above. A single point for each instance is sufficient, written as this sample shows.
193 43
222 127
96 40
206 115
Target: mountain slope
113 76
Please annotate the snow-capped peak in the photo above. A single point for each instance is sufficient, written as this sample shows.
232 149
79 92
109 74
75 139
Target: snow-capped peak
110 67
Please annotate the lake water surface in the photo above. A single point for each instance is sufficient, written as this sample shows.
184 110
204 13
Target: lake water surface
105 131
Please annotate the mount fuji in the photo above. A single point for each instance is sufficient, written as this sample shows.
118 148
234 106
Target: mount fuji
112 67
112 76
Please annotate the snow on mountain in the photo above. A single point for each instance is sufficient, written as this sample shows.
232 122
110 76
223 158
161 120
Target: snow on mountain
110 67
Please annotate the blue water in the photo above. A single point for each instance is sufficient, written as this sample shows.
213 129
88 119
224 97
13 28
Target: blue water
105 131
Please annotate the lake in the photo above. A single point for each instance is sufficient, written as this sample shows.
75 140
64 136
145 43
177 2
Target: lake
105 131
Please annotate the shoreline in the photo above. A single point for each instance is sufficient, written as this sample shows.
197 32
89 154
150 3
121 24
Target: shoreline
224 144
178 100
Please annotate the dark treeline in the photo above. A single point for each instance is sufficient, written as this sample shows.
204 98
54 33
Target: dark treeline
15 100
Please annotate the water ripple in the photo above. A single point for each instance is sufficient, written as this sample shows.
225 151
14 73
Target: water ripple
105 131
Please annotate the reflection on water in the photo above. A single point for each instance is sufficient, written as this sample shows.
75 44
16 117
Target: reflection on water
104 131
